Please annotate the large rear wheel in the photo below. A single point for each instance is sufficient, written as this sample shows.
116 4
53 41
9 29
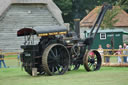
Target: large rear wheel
92 60
55 59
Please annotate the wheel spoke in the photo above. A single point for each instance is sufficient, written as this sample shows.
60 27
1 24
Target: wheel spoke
56 52
61 68
90 64
53 53
95 58
57 58
50 62
93 67
88 59
53 70
57 68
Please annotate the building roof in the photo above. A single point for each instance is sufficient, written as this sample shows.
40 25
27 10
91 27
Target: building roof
4 5
89 20
110 31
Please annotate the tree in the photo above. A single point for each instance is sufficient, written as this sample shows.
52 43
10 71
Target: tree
123 4
86 6
66 8
109 18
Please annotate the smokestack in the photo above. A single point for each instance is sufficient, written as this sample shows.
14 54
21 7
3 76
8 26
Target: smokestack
76 16
77 27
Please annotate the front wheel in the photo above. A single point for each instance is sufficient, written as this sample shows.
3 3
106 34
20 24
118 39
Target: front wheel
92 60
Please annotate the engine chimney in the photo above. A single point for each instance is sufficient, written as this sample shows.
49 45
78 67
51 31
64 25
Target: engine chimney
76 16
77 27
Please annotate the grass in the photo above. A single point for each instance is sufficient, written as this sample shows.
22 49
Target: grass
105 76
11 61
8 56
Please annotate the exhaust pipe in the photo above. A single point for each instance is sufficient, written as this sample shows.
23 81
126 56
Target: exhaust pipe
77 27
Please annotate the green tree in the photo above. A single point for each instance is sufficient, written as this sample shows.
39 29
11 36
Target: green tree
109 18
66 8
123 4
85 7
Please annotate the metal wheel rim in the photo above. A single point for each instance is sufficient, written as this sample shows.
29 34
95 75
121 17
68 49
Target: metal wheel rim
55 62
92 64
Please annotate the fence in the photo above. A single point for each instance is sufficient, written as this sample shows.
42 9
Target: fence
114 57
11 59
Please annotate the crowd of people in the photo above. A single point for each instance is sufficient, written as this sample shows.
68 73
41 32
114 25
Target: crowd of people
122 52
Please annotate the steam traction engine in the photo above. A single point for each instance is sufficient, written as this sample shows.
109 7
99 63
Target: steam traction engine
59 50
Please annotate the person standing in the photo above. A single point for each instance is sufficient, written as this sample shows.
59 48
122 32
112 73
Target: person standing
109 52
2 59
101 51
125 52
119 52
18 58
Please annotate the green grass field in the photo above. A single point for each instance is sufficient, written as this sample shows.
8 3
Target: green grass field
105 76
